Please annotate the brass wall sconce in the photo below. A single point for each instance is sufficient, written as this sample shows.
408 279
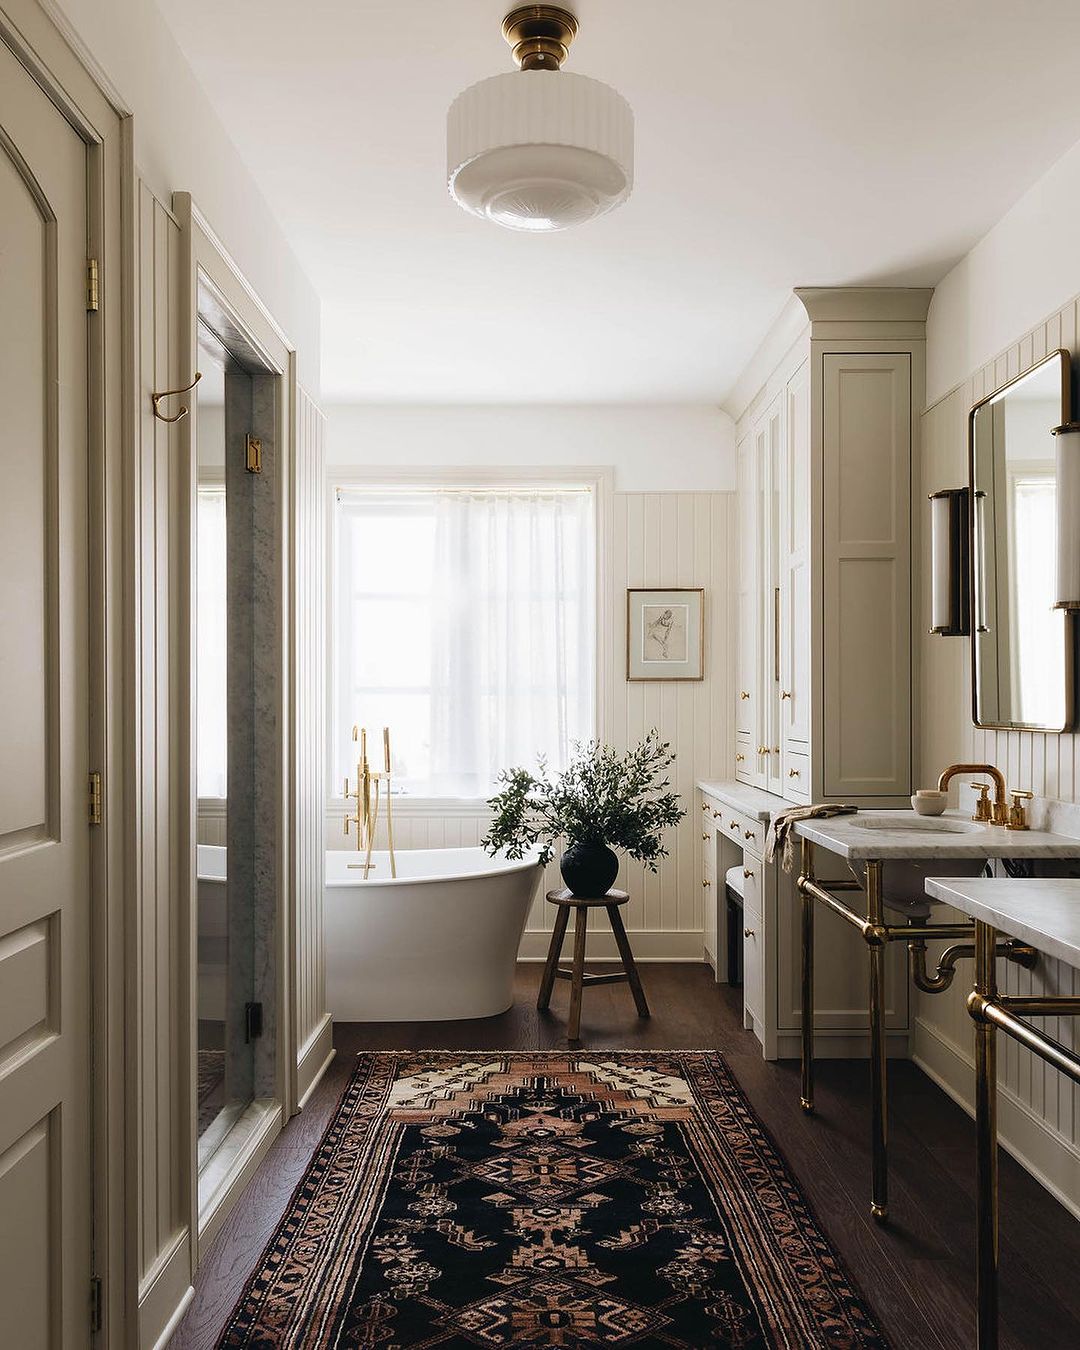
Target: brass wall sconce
950 563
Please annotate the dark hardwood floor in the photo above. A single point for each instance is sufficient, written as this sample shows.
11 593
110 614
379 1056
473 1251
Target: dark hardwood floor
917 1273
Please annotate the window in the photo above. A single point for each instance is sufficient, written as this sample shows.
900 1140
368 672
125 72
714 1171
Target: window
464 620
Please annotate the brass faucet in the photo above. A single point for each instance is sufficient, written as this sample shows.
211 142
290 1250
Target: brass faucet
998 813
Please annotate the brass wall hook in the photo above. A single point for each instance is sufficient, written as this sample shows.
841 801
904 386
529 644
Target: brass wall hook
155 399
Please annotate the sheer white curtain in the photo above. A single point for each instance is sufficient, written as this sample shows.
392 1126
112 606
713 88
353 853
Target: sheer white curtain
211 644
514 633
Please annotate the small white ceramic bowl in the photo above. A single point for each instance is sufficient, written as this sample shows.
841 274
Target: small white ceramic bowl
929 802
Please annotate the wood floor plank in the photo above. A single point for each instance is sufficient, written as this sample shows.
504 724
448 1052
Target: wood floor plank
916 1273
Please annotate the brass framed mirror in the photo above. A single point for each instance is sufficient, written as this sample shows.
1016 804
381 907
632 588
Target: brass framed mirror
1022 646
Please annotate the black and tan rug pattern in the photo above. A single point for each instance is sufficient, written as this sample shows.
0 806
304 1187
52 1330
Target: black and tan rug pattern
546 1199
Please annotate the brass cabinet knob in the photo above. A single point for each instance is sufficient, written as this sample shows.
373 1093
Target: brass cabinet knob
748 932
763 750
793 773
739 759
748 872
733 824
706 835
705 806
749 834
743 693
706 882
716 815
784 694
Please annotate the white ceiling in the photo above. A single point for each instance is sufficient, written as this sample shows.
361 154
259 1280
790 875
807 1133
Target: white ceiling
779 144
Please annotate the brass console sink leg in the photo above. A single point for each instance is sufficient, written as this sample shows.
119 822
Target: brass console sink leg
986 1160
806 1099
879 1206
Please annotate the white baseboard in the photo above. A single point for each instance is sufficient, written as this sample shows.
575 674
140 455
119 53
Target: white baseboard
656 944
314 1060
164 1292
1050 1158
174 1321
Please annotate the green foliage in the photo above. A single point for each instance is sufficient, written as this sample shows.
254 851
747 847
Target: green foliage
623 801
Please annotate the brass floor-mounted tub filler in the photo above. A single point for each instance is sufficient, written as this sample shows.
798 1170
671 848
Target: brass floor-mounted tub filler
877 935
367 796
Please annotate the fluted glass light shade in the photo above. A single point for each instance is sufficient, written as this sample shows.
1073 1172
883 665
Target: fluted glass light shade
950 554
1067 490
540 149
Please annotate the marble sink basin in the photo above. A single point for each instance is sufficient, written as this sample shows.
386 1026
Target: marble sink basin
912 848
916 825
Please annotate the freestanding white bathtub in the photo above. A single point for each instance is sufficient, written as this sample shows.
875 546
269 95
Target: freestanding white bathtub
437 943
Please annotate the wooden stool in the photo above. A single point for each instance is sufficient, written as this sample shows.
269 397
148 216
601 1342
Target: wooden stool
565 902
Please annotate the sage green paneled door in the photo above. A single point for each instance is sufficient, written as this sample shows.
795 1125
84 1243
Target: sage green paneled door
44 725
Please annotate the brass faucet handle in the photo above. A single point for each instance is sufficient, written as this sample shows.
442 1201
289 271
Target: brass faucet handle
982 806
1017 813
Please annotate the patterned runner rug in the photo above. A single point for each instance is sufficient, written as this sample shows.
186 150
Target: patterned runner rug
548 1199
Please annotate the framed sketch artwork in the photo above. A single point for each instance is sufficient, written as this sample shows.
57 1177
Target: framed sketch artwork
665 634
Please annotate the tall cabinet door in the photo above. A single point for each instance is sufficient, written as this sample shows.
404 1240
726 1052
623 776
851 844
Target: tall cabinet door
774 469
794 581
747 699
45 1165
866 602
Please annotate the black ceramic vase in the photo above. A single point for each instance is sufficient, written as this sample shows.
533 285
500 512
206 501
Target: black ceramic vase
589 870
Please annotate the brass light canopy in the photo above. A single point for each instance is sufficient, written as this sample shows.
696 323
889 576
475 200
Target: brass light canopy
540 35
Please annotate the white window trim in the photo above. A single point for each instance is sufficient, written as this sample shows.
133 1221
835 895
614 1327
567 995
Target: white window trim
599 479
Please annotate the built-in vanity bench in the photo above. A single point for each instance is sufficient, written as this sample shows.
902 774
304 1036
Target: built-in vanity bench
1044 913
735 819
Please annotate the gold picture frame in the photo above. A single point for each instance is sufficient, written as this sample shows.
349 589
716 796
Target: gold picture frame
665 633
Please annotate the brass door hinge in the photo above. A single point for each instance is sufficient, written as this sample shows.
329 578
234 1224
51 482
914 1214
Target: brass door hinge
94 798
93 288
253 453
96 1317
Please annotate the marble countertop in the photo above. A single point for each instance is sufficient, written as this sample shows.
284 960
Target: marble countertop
849 837
1042 911
751 801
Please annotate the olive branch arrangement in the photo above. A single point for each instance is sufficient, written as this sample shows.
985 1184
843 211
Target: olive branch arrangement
602 798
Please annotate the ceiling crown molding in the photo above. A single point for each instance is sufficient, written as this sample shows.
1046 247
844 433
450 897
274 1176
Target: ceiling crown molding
865 304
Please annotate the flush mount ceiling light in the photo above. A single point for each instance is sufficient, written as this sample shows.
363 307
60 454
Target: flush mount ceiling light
540 149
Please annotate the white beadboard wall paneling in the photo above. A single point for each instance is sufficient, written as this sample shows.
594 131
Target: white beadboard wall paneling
655 539
159 1083
1040 1113
312 1029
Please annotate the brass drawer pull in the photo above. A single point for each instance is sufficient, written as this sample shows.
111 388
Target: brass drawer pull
743 693
763 750
749 834
733 824
706 835
739 759
784 694
748 872
706 882
793 773
716 815
748 932
704 806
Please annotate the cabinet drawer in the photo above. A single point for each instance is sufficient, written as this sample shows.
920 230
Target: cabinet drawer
796 776
742 830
